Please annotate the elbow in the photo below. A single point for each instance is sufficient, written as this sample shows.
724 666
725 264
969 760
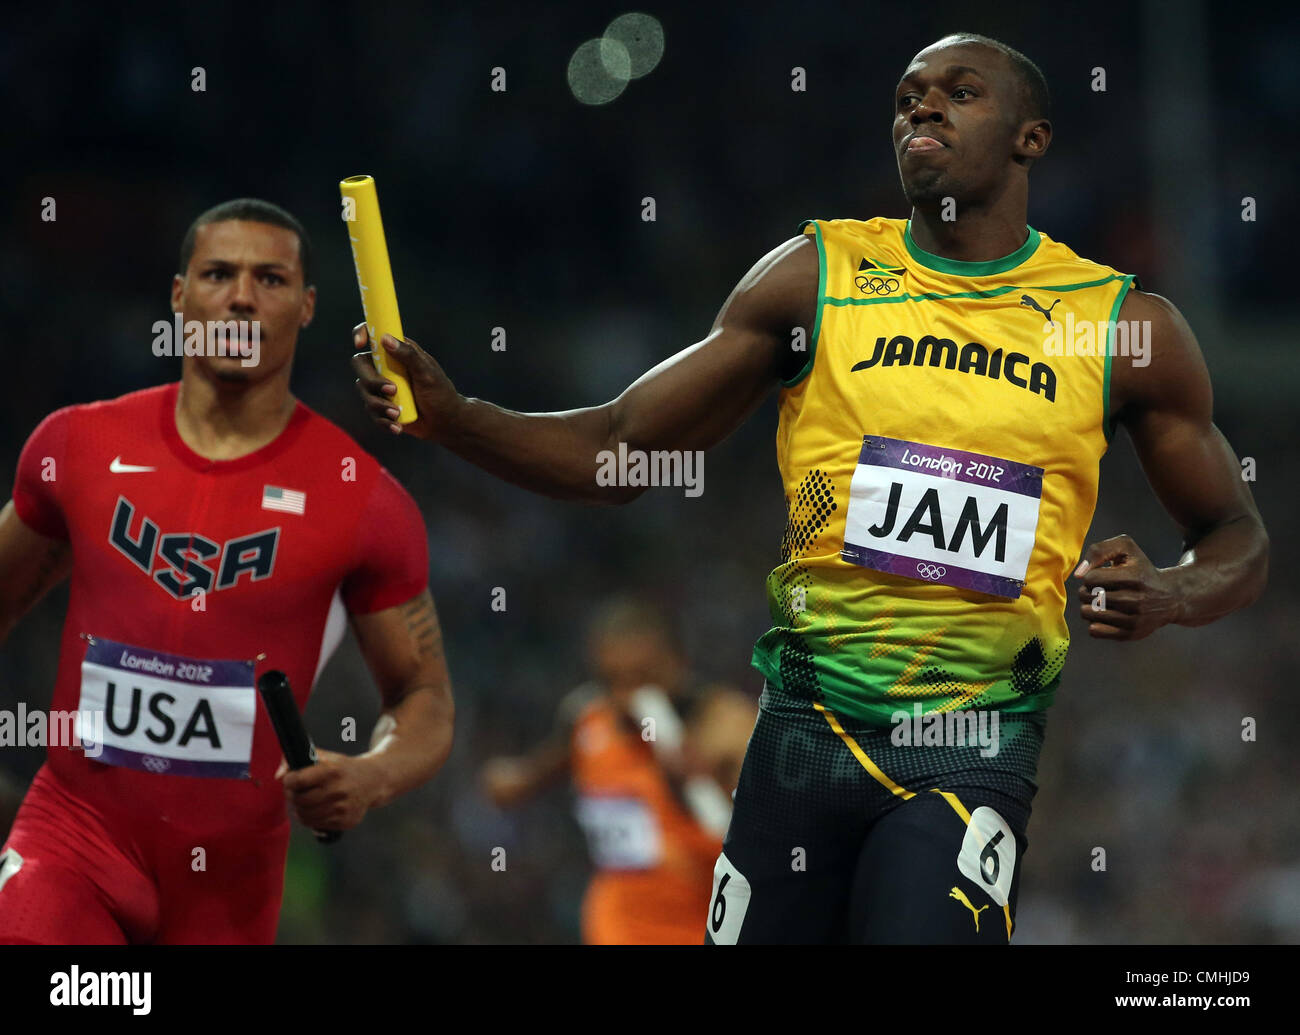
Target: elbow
1255 580
610 487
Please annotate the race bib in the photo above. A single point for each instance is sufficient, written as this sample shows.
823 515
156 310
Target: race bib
621 832
729 903
942 515
167 714
988 854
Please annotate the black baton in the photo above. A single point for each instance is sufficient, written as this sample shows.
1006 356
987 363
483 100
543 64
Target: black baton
298 749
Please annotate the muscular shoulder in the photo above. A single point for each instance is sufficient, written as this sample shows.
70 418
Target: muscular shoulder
776 296
1164 365
70 430
1146 305
360 492
132 407
782 285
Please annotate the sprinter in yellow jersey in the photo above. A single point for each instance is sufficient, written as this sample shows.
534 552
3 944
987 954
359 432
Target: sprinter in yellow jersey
948 384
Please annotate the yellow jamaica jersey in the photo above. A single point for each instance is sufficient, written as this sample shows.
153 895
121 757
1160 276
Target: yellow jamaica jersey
939 452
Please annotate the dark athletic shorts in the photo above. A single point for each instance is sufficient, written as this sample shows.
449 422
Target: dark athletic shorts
843 834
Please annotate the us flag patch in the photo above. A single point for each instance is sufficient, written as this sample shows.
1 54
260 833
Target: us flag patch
291 501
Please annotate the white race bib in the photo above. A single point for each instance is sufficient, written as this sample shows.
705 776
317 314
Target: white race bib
621 832
942 515
164 713
988 854
728 903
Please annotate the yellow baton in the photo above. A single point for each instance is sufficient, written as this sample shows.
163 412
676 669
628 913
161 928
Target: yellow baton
375 278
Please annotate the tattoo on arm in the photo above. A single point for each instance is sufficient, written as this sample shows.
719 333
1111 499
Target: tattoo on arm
422 625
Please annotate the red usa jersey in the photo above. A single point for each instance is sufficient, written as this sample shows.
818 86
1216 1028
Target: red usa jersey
190 578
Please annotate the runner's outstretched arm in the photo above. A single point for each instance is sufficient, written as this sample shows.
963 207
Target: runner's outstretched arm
690 401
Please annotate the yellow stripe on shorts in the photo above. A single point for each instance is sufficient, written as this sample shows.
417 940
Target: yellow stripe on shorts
897 789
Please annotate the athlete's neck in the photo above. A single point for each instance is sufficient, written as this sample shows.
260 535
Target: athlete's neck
975 235
222 420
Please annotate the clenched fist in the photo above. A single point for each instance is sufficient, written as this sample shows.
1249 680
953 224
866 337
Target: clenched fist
1124 596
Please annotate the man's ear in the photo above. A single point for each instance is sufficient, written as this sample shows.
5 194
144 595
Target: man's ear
308 306
178 289
1034 139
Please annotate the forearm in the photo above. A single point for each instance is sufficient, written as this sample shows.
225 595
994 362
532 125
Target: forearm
1222 571
554 454
689 402
410 743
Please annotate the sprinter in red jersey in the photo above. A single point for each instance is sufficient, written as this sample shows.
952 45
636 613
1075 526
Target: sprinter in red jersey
213 529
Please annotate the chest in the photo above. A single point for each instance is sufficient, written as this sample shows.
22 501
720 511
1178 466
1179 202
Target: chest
166 532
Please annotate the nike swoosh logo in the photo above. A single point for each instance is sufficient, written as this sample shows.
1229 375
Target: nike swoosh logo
10 863
117 467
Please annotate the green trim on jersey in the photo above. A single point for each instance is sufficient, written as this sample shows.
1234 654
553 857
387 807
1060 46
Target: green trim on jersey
1107 419
971 269
821 302
933 296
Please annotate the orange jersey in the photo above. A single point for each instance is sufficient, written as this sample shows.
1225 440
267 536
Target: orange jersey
654 862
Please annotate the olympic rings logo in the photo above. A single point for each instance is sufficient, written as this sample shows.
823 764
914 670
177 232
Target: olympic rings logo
155 764
931 571
876 285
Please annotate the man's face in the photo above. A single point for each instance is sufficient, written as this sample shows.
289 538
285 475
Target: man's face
245 271
627 662
955 122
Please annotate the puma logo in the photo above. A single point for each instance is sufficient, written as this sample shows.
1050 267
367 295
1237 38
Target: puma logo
960 896
1028 303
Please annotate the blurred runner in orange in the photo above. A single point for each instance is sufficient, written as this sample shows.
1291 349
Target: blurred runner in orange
653 756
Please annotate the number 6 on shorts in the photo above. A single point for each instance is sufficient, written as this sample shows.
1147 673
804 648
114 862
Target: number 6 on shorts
728 903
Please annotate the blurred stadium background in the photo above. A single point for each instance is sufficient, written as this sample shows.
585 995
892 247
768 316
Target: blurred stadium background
522 210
